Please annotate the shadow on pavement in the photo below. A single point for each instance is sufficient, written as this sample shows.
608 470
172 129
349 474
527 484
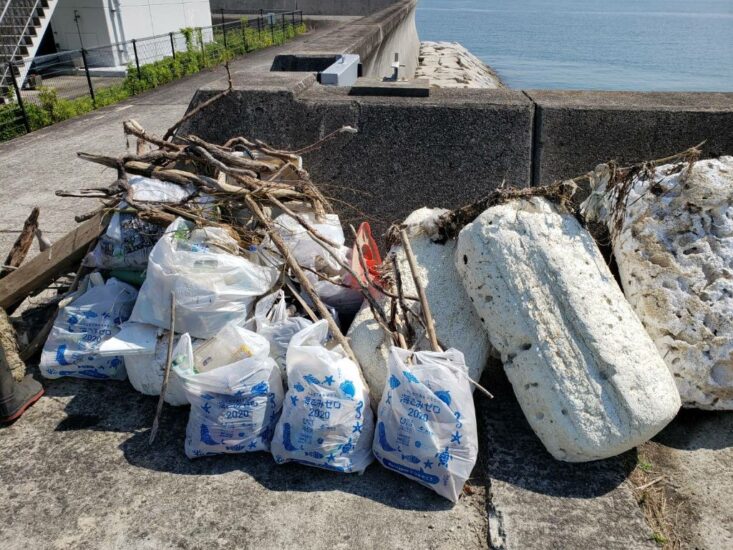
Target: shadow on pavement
116 407
695 429
516 455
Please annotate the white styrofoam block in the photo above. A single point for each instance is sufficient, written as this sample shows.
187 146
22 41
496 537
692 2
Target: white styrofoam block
586 374
674 250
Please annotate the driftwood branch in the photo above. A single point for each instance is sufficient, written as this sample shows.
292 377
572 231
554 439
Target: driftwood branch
167 372
425 306
22 244
172 130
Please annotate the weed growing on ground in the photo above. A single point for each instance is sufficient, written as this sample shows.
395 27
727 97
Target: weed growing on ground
652 495
645 465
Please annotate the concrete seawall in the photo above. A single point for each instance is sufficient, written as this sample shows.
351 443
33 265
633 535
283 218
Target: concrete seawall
456 145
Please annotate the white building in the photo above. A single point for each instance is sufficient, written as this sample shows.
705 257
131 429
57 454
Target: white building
103 27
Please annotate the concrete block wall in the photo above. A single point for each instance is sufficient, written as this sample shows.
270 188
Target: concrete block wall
446 151
574 131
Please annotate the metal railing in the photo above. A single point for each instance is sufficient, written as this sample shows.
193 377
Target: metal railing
83 80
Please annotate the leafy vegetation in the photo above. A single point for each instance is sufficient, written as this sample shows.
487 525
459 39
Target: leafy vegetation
199 55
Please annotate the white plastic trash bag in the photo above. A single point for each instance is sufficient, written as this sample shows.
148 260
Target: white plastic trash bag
341 294
153 190
326 419
426 427
234 407
128 240
274 323
72 347
307 251
146 367
213 286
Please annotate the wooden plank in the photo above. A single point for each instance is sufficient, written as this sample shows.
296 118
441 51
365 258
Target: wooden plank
59 259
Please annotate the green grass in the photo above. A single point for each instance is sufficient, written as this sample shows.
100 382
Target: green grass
645 465
198 56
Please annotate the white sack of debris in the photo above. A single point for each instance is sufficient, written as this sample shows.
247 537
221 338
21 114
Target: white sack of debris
326 420
586 374
456 323
213 286
673 243
332 285
82 326
234 407
426 429
273 321
128 240
145 350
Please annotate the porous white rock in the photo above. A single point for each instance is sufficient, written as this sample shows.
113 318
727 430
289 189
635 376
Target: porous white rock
456 322
674 248
586 374
450 65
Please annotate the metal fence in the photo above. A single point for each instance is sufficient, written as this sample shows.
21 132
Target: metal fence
65 84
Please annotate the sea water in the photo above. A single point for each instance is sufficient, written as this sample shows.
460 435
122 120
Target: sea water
660 45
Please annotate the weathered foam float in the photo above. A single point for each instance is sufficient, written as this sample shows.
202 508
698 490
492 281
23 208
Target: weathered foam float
586 374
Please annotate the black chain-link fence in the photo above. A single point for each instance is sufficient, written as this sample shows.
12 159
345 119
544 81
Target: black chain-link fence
66 84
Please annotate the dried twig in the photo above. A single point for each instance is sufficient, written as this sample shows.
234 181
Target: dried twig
429 322
201 106
132 127
166 373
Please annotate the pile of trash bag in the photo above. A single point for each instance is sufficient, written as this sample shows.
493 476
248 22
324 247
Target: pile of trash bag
227 285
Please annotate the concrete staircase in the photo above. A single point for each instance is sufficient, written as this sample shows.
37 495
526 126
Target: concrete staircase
22 25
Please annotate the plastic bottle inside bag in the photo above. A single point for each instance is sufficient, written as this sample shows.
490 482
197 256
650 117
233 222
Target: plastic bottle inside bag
230 345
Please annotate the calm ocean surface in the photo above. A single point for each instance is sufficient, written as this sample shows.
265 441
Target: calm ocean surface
662 45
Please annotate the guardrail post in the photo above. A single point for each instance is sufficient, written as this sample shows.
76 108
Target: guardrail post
272 28
173 46
292 19
18 97
244 33
283 27
137 60
301 16
201 41
224 30
89 78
